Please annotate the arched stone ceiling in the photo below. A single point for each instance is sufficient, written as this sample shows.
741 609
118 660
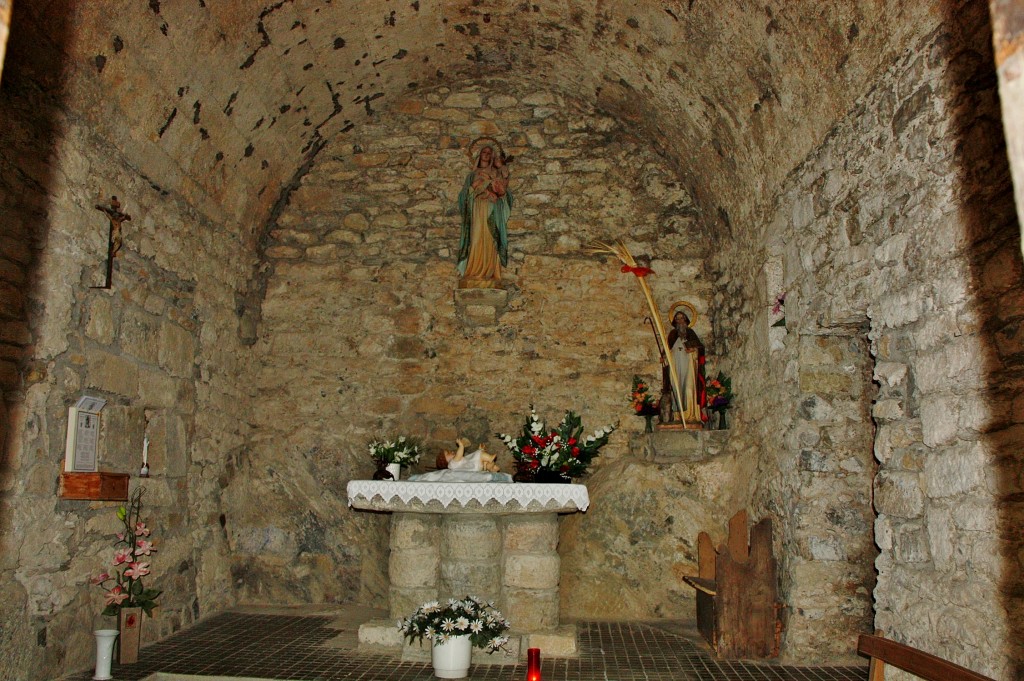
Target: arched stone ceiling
225 101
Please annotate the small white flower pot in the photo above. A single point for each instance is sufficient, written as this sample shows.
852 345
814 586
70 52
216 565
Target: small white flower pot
451 659
104 652
395 469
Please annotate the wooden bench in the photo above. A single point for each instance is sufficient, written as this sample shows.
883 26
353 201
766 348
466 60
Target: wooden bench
737 591
882 651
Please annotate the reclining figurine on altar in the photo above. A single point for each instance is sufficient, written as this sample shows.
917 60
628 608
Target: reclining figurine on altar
477 466
479 460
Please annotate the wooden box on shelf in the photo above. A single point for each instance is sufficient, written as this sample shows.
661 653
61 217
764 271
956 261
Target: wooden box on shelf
100 486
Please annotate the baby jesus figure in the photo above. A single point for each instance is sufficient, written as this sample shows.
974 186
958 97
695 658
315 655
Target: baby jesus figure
478 460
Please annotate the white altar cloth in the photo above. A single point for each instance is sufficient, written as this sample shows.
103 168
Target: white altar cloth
485 497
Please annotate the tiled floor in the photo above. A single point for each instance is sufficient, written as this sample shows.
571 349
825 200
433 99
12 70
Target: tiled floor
272 645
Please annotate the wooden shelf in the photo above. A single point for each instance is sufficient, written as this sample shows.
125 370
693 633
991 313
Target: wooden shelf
99 486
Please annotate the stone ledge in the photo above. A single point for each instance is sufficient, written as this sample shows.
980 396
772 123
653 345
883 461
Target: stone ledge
480 306
678 446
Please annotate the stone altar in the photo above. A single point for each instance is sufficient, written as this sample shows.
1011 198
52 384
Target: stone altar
497 541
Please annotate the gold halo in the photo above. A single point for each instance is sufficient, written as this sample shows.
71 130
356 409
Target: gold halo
472 148
691 311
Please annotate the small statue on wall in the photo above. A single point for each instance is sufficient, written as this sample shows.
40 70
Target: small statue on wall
689 359
485 204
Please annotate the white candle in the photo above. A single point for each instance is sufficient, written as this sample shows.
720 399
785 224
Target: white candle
145 450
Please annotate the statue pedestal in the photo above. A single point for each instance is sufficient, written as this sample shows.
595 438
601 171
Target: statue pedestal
496 541
480 306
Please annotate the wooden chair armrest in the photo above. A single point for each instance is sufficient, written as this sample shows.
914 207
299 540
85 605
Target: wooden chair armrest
708 586
915 661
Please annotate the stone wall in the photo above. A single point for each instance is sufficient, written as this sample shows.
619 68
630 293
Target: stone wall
891 389
161 345
625 559
898 236
362 332
1007 28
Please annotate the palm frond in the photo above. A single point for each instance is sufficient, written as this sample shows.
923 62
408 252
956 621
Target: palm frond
621 251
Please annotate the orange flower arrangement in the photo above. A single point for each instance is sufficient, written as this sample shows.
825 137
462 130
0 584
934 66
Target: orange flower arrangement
643 402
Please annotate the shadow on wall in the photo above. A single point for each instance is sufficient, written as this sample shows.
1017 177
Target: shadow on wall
30 102
992 242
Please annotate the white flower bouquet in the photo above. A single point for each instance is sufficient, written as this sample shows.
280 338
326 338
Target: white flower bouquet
402 451
437 623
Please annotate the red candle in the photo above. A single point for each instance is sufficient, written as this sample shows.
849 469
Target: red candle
533 664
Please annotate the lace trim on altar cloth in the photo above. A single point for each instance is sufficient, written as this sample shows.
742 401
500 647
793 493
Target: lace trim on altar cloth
463 493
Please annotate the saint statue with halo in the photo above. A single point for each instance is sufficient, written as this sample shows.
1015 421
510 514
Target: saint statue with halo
688 358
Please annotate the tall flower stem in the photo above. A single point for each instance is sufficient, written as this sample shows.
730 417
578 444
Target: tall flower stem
127 590
619 250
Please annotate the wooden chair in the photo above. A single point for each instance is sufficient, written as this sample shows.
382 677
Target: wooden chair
882 651
737 591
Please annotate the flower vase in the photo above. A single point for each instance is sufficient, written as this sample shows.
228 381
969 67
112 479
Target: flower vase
552 477
648 412
722 425
130 625
524 473
104 653
395 469
451 658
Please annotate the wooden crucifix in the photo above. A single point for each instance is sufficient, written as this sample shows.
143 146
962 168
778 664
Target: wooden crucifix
116 217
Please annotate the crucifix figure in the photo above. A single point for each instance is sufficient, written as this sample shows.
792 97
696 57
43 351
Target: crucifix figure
116 217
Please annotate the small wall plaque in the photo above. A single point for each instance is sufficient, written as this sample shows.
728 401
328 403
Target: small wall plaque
83 435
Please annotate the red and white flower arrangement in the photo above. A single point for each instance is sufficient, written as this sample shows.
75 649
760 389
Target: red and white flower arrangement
562 450
123 584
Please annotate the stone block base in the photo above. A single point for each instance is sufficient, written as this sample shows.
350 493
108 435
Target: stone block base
558 643
383 636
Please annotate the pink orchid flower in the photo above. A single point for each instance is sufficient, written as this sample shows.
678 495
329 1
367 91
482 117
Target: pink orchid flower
116 596
120 536
780 300
99 579
122 556
144 547
136 570
141 529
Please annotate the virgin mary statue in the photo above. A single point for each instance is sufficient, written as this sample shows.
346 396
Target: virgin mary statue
484 204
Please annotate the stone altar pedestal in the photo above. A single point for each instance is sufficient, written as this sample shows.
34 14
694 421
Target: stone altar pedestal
496 541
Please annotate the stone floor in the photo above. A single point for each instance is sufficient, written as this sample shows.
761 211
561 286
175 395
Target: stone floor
282 644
